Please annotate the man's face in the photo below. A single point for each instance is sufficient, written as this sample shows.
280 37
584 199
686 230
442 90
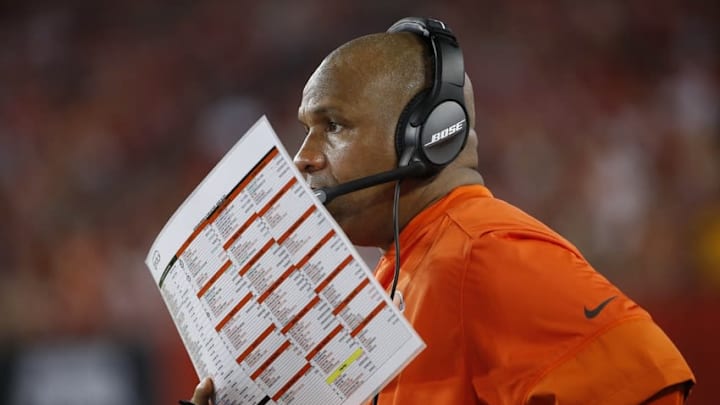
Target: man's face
350 126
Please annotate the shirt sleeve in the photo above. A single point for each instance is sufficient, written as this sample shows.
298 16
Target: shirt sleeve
545 327
674 395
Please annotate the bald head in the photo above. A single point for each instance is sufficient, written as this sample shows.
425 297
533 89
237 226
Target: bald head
350 109
397 65
394 67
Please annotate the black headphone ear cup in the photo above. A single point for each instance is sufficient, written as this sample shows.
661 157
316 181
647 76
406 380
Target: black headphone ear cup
443 135
404 121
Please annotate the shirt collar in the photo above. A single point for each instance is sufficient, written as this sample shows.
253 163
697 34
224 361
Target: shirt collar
415 227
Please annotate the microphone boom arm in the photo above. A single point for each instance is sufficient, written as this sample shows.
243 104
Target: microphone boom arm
327 194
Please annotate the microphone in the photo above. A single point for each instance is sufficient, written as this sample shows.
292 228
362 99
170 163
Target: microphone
327 194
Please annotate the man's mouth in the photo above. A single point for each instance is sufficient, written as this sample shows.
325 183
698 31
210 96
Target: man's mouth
316 186
319 182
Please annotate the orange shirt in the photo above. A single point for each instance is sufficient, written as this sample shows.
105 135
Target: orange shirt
513 314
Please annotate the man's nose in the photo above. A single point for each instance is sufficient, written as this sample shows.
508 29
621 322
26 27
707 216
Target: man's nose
310 158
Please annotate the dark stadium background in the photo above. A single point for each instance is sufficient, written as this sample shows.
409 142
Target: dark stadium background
600 118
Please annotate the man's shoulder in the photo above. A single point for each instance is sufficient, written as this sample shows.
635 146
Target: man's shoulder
480 215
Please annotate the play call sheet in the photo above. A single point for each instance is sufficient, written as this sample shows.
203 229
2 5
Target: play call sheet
268 294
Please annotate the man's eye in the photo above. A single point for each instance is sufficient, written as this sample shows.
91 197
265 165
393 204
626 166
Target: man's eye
333 127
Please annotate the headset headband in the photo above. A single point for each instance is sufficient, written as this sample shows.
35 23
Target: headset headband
433 127
448 70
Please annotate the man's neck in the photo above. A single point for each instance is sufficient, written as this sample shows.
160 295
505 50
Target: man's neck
428 192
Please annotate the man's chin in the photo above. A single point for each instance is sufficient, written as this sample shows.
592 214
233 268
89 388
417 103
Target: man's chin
337 213
336 209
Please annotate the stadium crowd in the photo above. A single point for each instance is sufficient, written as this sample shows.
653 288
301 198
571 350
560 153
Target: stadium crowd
600 118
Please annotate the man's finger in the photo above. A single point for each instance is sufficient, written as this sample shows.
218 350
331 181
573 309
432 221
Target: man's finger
203 392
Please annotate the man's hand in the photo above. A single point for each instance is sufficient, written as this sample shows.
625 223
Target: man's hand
203 392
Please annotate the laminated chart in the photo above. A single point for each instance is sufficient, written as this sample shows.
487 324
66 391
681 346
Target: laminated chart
269 296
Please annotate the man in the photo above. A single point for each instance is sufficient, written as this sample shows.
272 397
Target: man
510 311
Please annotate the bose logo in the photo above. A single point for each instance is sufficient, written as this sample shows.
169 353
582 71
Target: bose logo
445 133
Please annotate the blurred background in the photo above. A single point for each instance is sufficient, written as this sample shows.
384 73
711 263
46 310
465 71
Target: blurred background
599 118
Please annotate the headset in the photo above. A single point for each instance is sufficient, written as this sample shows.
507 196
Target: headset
433 127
